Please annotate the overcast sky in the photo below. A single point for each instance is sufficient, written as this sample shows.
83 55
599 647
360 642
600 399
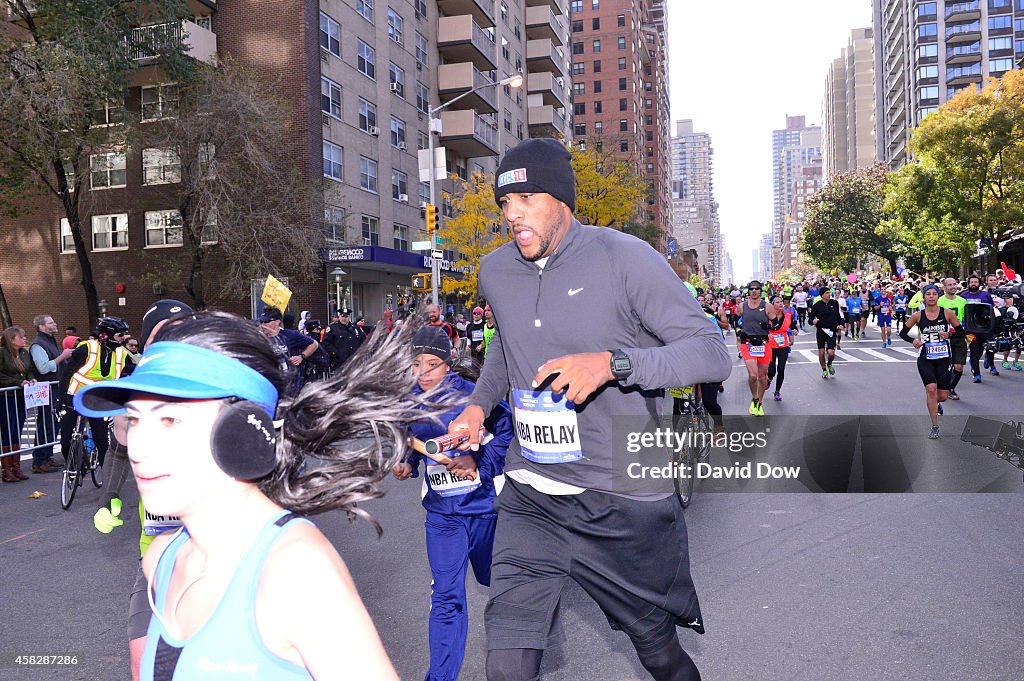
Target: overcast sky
737 69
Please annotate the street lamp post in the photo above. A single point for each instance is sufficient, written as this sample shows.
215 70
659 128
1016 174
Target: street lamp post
515 81
337 273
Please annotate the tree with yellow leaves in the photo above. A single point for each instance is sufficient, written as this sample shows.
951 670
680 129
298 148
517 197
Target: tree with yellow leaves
476 230
609 190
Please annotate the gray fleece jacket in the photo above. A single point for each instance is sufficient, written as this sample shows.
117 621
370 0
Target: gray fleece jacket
602 290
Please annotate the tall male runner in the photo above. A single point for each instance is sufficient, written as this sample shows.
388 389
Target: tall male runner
591 324
950 300
758 317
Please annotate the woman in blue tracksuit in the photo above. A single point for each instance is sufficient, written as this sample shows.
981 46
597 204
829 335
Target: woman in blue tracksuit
459 500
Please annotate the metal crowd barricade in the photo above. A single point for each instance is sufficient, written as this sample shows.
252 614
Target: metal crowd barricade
32 428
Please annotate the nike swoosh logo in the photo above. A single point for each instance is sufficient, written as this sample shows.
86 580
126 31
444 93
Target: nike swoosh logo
574 291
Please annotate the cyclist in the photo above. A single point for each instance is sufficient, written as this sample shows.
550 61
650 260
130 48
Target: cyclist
97 359
936 326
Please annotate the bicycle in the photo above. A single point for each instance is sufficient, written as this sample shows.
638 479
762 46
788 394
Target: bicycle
696 422
81 456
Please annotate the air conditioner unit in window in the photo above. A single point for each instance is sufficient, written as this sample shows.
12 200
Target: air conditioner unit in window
402 146
367 241
419 66
403 198
324 55
396 87
327 121
374 130
420 16
396 38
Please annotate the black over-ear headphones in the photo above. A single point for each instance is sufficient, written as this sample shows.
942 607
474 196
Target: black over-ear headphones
243 440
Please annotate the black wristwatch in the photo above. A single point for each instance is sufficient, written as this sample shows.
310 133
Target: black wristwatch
622 365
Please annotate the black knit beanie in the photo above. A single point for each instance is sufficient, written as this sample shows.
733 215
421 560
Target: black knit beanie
537 165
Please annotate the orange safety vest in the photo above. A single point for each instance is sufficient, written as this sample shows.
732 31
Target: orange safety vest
92 372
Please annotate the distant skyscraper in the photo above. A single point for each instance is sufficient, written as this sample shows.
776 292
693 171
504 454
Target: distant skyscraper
926 52
728 276
794 148
848 108
764 250
755 264
694 209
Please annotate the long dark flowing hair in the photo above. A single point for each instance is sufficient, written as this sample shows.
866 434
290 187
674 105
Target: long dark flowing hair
339 437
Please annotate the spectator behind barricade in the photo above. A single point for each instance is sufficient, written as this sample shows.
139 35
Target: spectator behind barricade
291 346
16 372
47 357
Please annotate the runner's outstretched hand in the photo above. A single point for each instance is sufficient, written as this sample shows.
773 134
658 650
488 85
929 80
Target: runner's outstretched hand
578 375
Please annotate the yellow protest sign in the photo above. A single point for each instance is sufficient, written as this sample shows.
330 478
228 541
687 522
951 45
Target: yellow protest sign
276 294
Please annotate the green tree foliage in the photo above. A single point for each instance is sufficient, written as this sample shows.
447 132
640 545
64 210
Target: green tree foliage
61 63
646 231
609 191
844 220
476 230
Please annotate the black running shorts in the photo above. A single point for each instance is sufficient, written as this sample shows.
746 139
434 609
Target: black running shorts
825 342
934 371
958 347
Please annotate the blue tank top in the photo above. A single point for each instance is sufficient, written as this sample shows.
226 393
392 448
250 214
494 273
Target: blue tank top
228 645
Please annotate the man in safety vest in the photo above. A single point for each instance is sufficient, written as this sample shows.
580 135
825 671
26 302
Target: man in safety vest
99 359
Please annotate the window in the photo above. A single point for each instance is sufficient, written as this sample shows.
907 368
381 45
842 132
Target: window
930 50
424 192
333 161
367 115
421 140
508 120
926 31
107 171
579 89
620 20
597 66
160 166
397 131
365 60
109 232
926 9
927 72
595 4
576 6
399 184
422 98
1000 44
330 35
622 63
395 25
579 129
519 129
518 30
1002 21
397 77
649 136
598 107
401 241
365 8
368 174
622 83
371 231
504 12
334 223
577 26
622 105
595 24
421 8
421 49
997 65
163 228
578 68
330 97
623 145
110 113
623 125
579 109
159 101
67 242
1018 46
597 46
208 234
597 86
577 47
931 92
599 127
622 42
924 111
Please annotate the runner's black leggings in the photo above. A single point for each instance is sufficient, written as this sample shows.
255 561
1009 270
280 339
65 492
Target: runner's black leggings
709 396
976 349
801 315
778 367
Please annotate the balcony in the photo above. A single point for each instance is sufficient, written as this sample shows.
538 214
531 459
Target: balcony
541 22
146 43
546 84
963 53
481 10
555 5
544 121
460 39
964 10
541 55
963 74
963 32
455 79
468 134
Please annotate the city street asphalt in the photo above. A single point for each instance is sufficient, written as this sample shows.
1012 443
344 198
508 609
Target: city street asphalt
815 587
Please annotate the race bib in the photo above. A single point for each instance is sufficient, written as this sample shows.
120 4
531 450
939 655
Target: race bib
153 525
936 350
827 332
755 350
478 335
447 484
779 338
546 427
884 310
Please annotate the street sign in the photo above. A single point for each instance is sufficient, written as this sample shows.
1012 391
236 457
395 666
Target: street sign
421 245
437 254
438 241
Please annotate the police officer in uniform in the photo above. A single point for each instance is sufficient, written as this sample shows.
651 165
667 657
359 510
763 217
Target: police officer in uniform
343 340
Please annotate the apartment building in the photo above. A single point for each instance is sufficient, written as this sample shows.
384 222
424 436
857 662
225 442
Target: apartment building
620 90
381 68
794 147
695 222
848 107
926 52
805 185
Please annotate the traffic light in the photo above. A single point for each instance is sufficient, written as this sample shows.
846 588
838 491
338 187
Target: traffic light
431 218
421 282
